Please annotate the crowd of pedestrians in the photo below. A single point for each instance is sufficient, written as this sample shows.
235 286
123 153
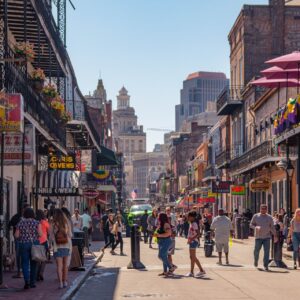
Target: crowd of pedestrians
50 230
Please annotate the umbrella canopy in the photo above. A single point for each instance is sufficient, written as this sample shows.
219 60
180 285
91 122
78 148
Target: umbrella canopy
279 73
288 61
275 83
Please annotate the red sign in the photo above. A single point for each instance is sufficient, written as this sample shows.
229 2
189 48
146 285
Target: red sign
238 190
90 194
11 112
207 200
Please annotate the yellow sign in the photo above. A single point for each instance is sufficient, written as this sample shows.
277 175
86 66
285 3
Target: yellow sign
62 163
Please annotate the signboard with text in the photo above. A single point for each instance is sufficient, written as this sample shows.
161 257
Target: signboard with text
238 190
11 113
62 162
63 191
259 184
13 144
223 188
207 200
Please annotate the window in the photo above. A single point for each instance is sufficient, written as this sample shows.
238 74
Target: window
132 146
141 148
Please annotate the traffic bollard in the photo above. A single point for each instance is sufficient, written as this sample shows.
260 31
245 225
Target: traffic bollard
135 262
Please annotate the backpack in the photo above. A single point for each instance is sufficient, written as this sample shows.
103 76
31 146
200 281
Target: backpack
61 237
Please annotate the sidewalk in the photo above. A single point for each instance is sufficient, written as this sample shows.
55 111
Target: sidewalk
48 289
250 241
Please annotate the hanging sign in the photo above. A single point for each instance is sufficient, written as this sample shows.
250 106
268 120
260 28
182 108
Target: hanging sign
259 184
62 162
11 112
90 193
207 200
223 188
238 190
13 146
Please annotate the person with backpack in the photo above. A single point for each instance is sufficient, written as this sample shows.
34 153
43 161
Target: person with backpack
60 237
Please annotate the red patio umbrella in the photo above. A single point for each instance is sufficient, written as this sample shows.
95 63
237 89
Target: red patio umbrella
278 73
288 61
276 83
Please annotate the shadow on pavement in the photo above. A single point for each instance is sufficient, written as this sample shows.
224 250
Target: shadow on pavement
233 266
102 282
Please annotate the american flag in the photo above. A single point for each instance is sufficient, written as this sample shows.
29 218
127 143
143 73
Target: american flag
134 194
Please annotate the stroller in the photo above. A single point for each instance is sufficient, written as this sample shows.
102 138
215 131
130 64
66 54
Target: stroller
208 244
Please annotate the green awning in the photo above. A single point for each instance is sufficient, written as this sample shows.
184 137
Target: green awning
107 157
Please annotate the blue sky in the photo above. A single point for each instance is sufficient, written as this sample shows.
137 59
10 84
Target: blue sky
150 46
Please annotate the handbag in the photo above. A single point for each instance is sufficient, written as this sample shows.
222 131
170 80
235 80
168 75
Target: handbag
38 253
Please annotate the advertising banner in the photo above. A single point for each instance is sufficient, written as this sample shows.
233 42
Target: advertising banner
11 113
238 190
13 147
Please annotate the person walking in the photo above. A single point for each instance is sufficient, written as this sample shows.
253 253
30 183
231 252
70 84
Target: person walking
144 225
104 226
163 235
40 216
173 223
193 235
60 237
111 241
117 230
294 235
222 227
28 232
86 227
14 221
263 226
152 224
77 221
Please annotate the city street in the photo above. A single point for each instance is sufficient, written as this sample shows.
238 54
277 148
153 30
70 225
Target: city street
112 280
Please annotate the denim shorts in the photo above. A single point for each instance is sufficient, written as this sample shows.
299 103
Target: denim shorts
61 252
194 244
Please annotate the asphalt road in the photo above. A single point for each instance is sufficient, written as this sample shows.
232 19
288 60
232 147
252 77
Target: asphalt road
112 280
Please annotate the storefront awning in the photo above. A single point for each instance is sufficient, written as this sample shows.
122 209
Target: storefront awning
106 157
107 188
58 183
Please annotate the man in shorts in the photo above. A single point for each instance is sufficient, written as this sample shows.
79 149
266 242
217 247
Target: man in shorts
222 227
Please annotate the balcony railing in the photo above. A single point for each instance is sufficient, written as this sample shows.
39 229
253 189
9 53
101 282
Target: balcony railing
223 159
229 99
264 150
209 171
16 81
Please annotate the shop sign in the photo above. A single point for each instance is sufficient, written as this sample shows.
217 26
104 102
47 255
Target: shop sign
223 188
259 184
11 112
238 190
207 200
63 191
90 193
62 162
13 142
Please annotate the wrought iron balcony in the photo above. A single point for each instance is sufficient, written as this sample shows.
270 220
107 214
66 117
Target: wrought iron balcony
223 159
229 100
209 172
263 151
15 80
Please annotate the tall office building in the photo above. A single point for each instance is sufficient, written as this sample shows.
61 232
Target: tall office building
199 89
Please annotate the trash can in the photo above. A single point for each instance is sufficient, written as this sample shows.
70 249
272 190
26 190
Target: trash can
245 228
238 228
78 240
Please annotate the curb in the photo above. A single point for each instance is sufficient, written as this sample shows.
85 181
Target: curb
79 281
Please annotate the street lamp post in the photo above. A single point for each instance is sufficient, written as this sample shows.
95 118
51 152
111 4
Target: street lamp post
289 175
217 186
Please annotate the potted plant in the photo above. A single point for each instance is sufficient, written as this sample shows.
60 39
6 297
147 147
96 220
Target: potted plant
49 92
66 116
38 78
24 50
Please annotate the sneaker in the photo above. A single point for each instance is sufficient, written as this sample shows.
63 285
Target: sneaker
65 284
200 274
61 286
219 263
26 286
255 264
189 275
266 268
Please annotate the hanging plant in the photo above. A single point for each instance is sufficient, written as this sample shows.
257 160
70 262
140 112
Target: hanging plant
58 103
49 92
25 49
66 116
38 78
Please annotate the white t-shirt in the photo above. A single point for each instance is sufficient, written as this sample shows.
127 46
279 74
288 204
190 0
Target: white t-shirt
86 219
